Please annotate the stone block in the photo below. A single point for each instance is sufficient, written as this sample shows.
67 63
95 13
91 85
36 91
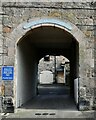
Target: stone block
0 20
9 90
7 29
0 28
1 49
83 91
84 104
1 40
8 60
1 60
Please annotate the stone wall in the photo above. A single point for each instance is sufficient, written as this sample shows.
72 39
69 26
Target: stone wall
80 14
49 65
54 67
94 19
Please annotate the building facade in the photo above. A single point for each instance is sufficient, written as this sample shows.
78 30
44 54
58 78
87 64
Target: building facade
22 22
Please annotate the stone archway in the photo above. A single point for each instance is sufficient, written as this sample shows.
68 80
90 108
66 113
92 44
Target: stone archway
25 29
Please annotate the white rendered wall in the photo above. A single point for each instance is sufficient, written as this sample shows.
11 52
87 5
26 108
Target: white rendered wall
46 77
26 75
76 90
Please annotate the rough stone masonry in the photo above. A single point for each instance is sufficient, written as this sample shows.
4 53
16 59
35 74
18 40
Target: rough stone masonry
81 14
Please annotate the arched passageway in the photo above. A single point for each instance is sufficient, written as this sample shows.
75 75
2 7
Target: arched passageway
34 45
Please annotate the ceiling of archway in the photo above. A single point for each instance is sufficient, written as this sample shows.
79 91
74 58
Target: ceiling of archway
50 37
50 40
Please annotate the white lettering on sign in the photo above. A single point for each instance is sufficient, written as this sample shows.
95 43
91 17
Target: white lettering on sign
8 71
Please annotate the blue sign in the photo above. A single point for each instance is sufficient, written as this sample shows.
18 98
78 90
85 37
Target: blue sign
7 73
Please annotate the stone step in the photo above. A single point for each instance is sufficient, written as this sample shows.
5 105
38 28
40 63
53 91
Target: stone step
54 114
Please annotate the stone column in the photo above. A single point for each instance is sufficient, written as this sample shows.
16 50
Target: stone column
94 19
1 40
1 51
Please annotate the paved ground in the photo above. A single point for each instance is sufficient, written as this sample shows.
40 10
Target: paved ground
64 102
52 97
51 102
58 89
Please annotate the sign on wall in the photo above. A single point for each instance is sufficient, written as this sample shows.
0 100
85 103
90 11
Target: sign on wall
7 73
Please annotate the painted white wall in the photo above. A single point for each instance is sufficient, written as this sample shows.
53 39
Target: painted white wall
46 77
26 74
76 90
64 74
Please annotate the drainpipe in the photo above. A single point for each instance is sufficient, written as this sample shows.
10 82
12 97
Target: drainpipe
64 74
55 74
